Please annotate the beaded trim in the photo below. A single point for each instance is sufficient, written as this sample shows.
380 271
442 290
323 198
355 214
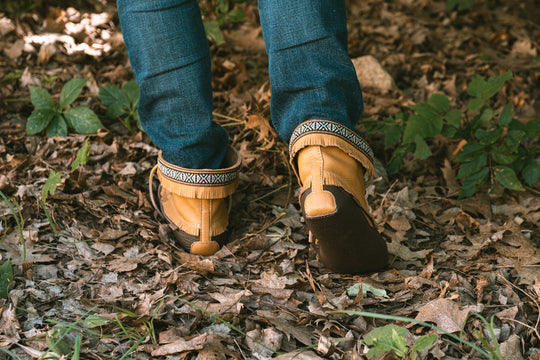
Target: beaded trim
199 177
332 128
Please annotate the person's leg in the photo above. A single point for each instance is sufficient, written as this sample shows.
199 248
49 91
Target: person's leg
311 74
170 57
316 103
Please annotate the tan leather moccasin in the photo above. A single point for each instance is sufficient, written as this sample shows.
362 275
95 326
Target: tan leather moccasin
330 161
194 202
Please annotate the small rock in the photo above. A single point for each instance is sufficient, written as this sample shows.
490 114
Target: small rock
372 75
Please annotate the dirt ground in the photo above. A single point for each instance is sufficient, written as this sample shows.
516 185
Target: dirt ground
112 280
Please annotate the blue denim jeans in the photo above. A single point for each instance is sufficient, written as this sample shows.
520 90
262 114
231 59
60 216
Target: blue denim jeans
311 74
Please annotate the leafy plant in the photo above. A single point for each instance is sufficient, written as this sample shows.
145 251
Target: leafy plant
18 219
494 349
12 76
49 188
459 5
122 103
392 338
495 145
450 338
6 278
223 13
56 119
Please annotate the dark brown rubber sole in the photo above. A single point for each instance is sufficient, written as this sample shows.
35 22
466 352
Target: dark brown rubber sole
347 241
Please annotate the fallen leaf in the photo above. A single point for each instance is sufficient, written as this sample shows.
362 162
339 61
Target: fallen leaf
269 337
445 313
181 345
122 264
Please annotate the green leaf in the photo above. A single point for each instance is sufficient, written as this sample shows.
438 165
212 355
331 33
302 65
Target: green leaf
469 151
51 184
236 15
213 32
424 125
111 95
41 99
131 89
469 186
494 84
422 151
451 4
425 110
506 115
440 102
501 156
465 5
508 178
424 342
115 111
396 160
6 278
71 91
531 171
453 118
222 6
514 138
476 86
93 321
58 127
399 344
366 288
484 118
474 104
82 156
392 135
488 137
381 336
533 128
84 120
475 165
38 121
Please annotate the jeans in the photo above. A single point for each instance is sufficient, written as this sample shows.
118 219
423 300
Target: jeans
311 74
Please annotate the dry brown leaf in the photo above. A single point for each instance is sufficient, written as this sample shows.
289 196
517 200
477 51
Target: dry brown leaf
122 264
304 355
269 337
259 121
300 333
445 313
181 345
400 222
399 249
511 348
112 234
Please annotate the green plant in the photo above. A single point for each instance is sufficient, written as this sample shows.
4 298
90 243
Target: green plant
496 144
392 338
18 219
58 118
450 338
494 349
6 278
122 103
223 13
459 5
12 76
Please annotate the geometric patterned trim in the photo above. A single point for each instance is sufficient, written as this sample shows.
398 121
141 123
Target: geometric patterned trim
218 177
332 128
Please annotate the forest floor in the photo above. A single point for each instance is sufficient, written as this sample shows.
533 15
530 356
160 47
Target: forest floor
113 284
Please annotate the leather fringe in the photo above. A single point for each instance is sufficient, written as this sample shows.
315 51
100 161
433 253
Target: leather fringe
320 139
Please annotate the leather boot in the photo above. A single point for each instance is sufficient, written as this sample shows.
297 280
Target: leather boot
193 202
329 161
